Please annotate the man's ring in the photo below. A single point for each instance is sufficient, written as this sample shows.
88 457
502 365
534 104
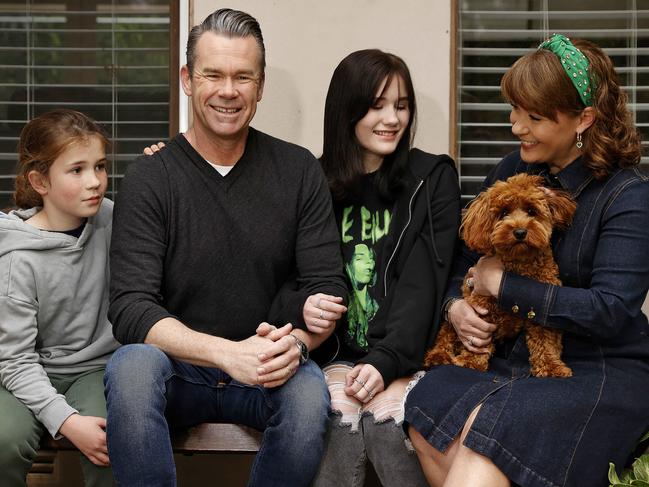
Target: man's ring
470 340
321 314
370 395
469 283
360 382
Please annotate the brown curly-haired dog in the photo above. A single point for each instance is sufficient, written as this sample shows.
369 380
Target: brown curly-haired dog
512 219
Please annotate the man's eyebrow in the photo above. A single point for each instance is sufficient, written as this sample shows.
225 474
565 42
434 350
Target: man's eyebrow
210 70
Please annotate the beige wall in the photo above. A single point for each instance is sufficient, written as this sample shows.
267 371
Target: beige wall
306 39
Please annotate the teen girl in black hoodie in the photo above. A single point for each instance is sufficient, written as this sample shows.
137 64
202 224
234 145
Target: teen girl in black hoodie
398 212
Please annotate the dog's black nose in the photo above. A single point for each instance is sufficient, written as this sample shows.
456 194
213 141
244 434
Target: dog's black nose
520 233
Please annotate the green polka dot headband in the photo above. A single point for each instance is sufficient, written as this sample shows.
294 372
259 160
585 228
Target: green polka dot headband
574 63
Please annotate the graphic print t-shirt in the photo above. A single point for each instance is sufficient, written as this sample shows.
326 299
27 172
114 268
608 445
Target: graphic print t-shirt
363 222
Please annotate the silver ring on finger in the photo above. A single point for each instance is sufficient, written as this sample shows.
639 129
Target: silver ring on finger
470 340
370 394
360 382
321 314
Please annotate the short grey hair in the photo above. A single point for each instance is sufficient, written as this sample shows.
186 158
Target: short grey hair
229 23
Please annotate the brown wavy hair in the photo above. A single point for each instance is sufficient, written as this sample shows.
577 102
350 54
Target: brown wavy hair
538 83
44 139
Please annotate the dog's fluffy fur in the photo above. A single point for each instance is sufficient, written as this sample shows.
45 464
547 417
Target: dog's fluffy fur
512 219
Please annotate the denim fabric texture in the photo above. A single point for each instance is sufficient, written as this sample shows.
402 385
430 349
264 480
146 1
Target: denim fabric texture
149 393
561 432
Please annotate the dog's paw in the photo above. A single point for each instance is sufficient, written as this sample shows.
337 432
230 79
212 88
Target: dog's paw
559 370
473 361
437 357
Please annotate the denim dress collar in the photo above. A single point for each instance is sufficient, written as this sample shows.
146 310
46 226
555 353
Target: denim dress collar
573 178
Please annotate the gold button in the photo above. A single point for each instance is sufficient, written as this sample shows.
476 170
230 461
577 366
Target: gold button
515 308
531 314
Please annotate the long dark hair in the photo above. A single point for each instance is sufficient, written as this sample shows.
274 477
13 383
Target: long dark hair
352 92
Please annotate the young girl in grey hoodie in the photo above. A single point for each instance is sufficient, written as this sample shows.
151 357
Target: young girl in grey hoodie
55 338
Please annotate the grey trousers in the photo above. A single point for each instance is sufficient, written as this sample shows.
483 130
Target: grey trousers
383 444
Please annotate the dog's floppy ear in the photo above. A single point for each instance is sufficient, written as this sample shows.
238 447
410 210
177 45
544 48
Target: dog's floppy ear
562 208
477 224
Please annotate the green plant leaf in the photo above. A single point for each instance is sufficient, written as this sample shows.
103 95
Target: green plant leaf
612 474
641 468
638 483
613 478
644 437
627 476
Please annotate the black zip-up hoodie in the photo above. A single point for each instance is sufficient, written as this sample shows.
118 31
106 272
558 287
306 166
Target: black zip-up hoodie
415 264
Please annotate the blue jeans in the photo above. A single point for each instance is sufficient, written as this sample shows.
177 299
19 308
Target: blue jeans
147 393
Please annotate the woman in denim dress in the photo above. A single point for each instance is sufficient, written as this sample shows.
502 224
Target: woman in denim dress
503 427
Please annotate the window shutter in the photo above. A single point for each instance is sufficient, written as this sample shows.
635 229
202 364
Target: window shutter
492 34
107 59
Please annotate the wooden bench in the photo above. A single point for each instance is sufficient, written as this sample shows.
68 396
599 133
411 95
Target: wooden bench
202 438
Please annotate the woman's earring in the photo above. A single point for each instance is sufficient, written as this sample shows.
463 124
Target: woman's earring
580 144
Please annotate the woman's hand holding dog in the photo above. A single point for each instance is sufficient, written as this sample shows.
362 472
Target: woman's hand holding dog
474 332
486 276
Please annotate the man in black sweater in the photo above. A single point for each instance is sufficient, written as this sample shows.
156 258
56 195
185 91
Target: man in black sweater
205 234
